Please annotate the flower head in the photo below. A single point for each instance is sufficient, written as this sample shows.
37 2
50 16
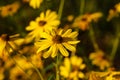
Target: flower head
98 59
114 12
9 9
6 41
35 3
72 68
83 21
57 41
46 21
17 74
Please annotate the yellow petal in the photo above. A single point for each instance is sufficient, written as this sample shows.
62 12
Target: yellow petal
55 51
63 51
2 45
69 47
67 33
73 42
32 26
45 46
47 54
73 35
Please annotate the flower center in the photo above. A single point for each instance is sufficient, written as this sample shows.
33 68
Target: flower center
5 37
1 63
84 19
42 23
10 9
19 77
58 39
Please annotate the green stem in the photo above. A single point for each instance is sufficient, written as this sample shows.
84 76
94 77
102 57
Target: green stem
92 36
57 68
82 5
114 49
60 9
40 75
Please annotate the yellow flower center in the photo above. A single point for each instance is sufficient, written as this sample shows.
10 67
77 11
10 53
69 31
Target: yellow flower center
57 39
5 37
42 23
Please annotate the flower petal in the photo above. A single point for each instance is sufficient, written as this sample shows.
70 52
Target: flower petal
63 51
45 46
67 32
73 42
69 47
47 54
55 51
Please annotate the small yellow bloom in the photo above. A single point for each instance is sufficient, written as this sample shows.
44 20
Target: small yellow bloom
35 3
98 59
7 42
9 9
114 12
46 21
72 68
23 62
17 74
83 21
57 41
37 61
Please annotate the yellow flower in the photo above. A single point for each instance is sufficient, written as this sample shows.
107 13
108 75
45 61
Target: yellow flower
114 12
72 68
2 76
98 59
55 41
83 21
17 74
7 42
36 60
46 21
9 9
23 62
35 3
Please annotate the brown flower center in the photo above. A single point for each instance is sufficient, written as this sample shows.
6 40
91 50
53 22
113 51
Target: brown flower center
1 62
19 77
84 19
5 37
42 23
10 9
58 39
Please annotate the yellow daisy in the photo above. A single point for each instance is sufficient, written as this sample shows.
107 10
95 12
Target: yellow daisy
9 9
46 21
5 41
72 68
83 21
17 74
35 3
98 59
114 12
55 41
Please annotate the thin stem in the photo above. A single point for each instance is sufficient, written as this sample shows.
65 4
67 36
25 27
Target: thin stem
92 36
60 9
57 68
40 75
82 5
114 49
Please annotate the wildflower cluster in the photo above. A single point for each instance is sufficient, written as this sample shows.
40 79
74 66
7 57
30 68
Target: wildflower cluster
46 40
